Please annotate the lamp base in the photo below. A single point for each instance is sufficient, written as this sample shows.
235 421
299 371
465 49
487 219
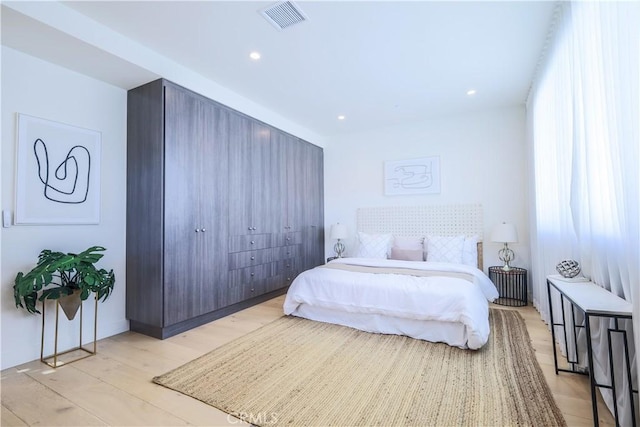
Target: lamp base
339 248
506 255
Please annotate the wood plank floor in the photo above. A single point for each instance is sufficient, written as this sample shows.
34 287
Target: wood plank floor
114 387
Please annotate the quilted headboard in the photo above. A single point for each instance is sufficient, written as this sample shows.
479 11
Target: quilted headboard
435 220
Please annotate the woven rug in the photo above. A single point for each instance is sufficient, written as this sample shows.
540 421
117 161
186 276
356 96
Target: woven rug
296 372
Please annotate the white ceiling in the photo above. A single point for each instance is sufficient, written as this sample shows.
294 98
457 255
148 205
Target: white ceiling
378 63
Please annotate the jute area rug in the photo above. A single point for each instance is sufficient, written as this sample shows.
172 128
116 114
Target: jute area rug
296 372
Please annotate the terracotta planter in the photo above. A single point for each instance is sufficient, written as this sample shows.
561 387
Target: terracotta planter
70 304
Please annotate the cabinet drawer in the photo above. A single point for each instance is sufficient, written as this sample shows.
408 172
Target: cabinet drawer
246 283
286 239
288 267
294 238
249 242
244 291
292 251
248 258
284 272
247 275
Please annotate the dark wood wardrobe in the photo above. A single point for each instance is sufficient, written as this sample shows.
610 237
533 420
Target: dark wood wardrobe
223 211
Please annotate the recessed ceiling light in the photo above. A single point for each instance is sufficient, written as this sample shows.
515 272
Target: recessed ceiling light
254 55
341 117
471 92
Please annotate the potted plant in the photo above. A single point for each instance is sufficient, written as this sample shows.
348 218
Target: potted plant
70 278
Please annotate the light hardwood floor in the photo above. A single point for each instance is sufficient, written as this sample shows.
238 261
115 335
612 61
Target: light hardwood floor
114 387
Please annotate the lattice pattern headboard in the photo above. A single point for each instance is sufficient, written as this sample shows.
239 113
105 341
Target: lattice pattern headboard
435 220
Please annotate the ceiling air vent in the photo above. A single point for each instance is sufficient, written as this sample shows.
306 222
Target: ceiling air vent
283 14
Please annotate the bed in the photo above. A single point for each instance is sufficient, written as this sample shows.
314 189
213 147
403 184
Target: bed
428 292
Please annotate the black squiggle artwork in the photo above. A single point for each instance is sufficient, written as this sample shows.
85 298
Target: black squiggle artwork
70 181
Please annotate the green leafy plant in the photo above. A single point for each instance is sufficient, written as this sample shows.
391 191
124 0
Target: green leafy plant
58 274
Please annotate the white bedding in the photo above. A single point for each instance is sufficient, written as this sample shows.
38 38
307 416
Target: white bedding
397 303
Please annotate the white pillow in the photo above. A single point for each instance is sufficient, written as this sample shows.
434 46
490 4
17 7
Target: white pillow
445 249
374 245
412 243
470 251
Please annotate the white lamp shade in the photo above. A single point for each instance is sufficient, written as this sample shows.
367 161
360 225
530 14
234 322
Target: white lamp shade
339 231
505 233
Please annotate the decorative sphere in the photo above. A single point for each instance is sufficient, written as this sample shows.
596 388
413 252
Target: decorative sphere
568 268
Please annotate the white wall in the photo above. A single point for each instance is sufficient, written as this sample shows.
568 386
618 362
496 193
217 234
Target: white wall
32 86
482 160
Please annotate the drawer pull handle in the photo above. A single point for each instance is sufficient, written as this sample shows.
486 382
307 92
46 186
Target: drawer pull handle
203 230
253 274
252 289
253 258
253 242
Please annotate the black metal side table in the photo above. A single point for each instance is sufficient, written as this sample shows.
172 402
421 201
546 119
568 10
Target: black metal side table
511 285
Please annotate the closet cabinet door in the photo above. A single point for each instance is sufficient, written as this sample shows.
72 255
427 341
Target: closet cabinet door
252 171
264 165
313 240
214 208
196 184
296 198
183 136
240 176
279 189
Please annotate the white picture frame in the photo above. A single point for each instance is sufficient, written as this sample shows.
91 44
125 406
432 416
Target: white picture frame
57 173
413 176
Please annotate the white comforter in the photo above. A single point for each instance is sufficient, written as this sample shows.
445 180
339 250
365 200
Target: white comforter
435 298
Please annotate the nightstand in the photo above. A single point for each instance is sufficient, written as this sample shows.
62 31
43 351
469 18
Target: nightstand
331 258
511 285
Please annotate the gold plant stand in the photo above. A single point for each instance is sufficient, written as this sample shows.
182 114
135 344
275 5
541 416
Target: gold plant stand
52 360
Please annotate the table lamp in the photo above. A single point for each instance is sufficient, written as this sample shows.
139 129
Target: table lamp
505 233
338 232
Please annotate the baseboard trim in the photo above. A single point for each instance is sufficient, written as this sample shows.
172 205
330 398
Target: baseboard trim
171 330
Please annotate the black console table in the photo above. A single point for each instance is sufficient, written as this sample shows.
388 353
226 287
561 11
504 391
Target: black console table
593 301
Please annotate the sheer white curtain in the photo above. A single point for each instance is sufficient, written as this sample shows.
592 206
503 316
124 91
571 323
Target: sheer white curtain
583 119
553 238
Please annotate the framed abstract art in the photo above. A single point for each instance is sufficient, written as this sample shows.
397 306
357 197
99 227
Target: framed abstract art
414 176
57 173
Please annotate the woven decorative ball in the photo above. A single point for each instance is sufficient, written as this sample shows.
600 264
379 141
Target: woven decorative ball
568 268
